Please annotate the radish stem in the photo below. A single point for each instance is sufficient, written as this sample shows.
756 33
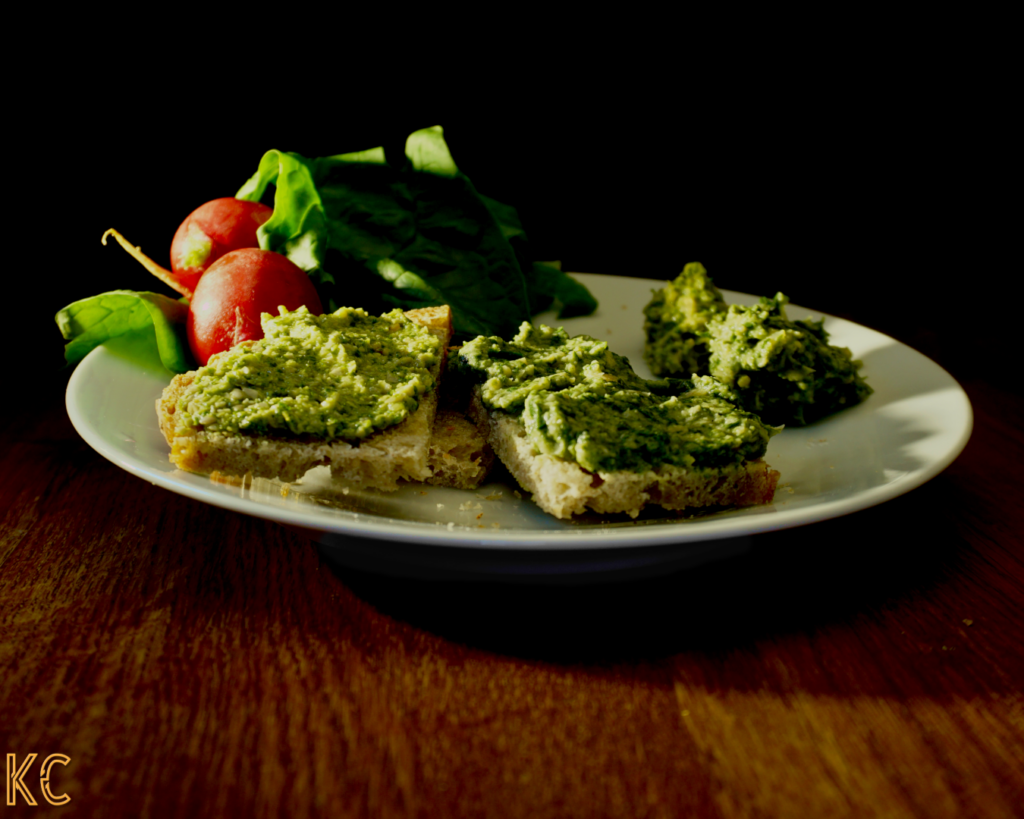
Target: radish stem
162 273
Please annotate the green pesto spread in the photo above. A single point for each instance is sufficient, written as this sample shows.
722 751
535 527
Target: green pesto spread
579 401
674 323
785 371
542 359
340 375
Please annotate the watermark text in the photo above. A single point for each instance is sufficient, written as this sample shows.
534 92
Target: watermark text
16 785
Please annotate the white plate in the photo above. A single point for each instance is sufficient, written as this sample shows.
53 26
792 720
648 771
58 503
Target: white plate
912 427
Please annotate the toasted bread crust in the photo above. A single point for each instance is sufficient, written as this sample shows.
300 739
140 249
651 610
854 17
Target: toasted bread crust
563 488
397 453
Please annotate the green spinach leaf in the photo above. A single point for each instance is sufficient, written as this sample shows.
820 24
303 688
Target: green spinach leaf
88 323
298 227
418 225
547 282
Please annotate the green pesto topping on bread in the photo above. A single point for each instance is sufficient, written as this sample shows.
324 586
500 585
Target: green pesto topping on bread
579 401
342 375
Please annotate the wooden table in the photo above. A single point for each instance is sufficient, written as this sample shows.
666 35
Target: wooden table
190 661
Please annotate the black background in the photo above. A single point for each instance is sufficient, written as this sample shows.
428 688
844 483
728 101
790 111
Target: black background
873 198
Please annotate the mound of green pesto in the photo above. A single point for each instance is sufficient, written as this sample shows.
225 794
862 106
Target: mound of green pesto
581 402
784 371
675 321
342 375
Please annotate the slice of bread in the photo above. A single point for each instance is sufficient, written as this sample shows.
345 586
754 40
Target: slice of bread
380 461
460 456
563 488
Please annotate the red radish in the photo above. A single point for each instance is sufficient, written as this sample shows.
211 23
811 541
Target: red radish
235 290
210 231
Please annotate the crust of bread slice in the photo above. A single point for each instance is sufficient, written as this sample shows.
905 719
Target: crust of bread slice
563 488
379 461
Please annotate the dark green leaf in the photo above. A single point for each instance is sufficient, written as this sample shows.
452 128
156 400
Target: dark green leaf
546 281
421 227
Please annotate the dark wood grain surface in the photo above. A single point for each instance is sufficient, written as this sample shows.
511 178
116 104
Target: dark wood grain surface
190 661
193 661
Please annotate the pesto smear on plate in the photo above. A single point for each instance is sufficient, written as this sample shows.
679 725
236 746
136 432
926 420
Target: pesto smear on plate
784 371
579 401
675 322
343 375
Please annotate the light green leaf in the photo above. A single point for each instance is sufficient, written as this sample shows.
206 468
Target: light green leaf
298 227
428 152
88 323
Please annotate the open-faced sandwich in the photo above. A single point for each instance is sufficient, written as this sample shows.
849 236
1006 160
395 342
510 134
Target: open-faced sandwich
578 428
346 389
